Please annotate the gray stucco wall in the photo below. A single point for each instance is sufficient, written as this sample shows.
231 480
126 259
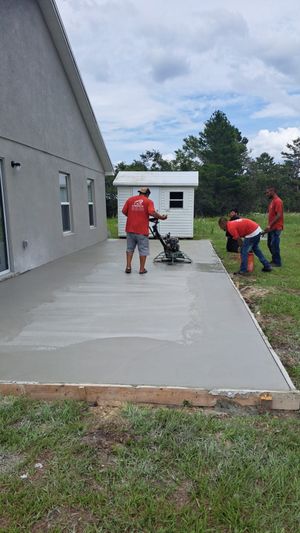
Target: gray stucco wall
38 107
33 207
42 127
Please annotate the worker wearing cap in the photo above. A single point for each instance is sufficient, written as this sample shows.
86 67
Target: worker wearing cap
138 209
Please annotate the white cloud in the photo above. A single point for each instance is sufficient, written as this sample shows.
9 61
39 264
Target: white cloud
272 142
168 157
155 71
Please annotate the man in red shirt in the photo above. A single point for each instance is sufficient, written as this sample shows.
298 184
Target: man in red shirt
250 231
137 209
275 225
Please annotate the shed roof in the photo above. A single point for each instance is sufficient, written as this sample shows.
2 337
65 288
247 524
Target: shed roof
152 178
61 42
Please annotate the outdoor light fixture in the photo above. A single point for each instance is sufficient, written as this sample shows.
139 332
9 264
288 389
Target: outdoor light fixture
15 165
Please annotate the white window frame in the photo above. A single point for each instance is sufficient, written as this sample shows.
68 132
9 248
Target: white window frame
176 199
66 203
91 203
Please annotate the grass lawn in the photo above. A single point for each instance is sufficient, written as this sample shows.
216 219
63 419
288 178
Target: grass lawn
65 467
69 467
274 298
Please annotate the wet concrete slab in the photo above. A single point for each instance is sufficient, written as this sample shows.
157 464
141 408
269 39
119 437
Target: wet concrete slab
81 319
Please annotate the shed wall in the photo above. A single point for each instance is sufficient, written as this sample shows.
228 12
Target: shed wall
180 221
123 194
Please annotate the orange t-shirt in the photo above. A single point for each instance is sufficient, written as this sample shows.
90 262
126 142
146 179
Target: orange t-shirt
137 209
241 227
276 208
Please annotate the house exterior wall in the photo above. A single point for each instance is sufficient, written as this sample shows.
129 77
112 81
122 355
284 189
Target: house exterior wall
33 208
180 221
42 127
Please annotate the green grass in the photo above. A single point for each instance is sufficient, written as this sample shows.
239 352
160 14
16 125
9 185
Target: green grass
146 470
112 228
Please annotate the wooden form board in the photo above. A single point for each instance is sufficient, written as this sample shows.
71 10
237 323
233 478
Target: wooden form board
175 396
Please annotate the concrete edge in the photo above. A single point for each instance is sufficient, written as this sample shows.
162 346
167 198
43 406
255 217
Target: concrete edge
168 396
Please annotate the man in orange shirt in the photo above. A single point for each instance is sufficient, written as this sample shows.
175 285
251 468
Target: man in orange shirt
137 209
250 231
275 225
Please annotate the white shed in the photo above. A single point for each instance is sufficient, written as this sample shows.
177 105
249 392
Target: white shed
171 192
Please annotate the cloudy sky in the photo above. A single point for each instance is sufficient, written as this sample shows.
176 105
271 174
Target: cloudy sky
155 70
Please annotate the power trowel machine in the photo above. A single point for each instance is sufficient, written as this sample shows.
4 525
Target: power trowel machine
171 250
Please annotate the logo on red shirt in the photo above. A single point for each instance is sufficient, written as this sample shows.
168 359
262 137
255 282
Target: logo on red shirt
138 205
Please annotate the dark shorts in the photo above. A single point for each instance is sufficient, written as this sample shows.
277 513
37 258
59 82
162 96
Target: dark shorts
141 241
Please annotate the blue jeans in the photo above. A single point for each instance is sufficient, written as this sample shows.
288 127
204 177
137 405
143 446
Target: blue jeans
249 244
274 245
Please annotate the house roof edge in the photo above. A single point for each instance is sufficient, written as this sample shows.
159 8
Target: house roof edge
58 33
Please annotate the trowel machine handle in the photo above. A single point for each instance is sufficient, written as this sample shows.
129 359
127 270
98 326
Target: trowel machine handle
153 228
155 232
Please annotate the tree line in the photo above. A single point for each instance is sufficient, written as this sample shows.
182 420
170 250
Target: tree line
228 176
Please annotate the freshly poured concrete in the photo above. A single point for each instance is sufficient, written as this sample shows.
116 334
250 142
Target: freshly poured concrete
81 319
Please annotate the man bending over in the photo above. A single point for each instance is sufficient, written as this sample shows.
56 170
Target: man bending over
247 233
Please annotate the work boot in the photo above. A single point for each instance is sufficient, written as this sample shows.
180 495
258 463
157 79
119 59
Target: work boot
266 269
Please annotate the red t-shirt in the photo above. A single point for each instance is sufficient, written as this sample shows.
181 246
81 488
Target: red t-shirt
241 227
137 209
276 208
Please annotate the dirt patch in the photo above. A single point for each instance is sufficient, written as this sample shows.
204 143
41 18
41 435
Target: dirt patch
4 524
8 461
279 334
41 465
107 430
110 413
107 437
252 293
181 496
288 358
65 519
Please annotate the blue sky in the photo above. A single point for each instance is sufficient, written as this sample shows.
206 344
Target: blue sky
155 71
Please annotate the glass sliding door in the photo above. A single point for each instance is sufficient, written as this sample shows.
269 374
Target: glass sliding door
3 242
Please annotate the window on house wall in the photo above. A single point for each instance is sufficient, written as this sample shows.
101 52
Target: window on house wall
176 199
65 201
91 202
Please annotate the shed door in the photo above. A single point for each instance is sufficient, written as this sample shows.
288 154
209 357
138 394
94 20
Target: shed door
154 196
3 239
